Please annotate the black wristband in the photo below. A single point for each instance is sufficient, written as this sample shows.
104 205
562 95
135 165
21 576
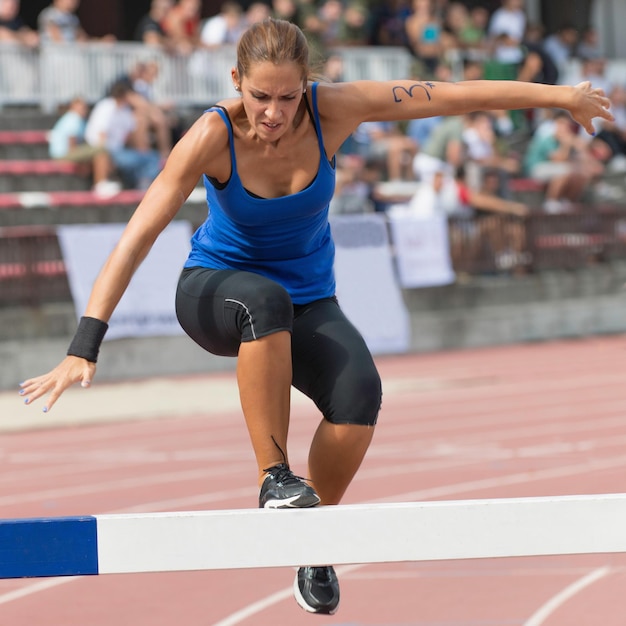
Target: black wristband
88 337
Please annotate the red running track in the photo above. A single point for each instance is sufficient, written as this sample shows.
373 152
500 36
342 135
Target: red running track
530 420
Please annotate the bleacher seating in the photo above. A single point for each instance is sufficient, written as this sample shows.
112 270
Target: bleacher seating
23 144
44 175
36 195
32 270
36 192
25 165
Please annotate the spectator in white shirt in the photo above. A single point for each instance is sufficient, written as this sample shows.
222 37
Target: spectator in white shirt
112 125
509 19
506 31
225 27
67 142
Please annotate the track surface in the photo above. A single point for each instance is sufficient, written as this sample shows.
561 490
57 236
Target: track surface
529 420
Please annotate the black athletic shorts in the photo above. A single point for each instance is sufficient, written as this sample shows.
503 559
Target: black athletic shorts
332 365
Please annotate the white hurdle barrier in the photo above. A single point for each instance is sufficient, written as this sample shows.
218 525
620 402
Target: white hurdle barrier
368 533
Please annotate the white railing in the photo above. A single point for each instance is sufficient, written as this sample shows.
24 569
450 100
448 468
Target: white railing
58 72
88 70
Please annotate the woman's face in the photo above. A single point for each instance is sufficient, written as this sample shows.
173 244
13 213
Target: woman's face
271 97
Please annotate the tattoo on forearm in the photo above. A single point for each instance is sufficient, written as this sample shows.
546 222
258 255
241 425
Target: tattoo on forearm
399 91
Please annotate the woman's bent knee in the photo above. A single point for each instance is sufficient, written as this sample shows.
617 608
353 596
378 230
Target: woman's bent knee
360 404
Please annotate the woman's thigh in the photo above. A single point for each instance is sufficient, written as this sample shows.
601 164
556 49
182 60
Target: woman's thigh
219 309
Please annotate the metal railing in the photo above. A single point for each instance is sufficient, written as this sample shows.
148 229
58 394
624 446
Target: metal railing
496 244
32 270
56 73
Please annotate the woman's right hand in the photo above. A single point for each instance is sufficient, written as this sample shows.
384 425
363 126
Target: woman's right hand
70 370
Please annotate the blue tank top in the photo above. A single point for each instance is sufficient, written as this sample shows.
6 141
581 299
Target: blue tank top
287 239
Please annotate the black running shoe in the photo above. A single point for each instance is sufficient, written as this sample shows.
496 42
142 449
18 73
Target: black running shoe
282 490
316 589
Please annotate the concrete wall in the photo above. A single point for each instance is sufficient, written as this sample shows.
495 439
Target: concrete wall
478 312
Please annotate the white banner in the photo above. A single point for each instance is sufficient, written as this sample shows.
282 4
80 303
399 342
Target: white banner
422 249
147 307
367 287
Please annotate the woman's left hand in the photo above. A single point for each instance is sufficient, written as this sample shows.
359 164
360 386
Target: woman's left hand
589 103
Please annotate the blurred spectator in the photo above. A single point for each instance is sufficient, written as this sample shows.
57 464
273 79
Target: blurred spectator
610 142
589 44
537 66
505 238
149 29
440 7
420 129
509 19
483 152
387 19
354 25
424 35
354 184
13 28
182 25
285 10
443 151
308 19
112 125
59 23
560 46
463 34
330 13
594 70
506 31
256 12
156 124
385 144
439 194
487 198
559 157
67 142
473 69
333 68
448 192
475 31
225 27
507 54
19 75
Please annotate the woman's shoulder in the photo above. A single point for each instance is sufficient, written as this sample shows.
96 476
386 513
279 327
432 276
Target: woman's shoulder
330 95
212 122
230 104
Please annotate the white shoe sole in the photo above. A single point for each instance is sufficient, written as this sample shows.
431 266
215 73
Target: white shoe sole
302 602
288 503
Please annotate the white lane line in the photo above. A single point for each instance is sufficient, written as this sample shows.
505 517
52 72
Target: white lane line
510 479
37 587
260 605
558 600
122 483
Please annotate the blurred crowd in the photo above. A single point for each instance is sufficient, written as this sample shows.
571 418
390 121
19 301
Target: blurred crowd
458 165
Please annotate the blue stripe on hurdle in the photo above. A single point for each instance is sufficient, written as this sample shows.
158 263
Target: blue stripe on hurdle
61 546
